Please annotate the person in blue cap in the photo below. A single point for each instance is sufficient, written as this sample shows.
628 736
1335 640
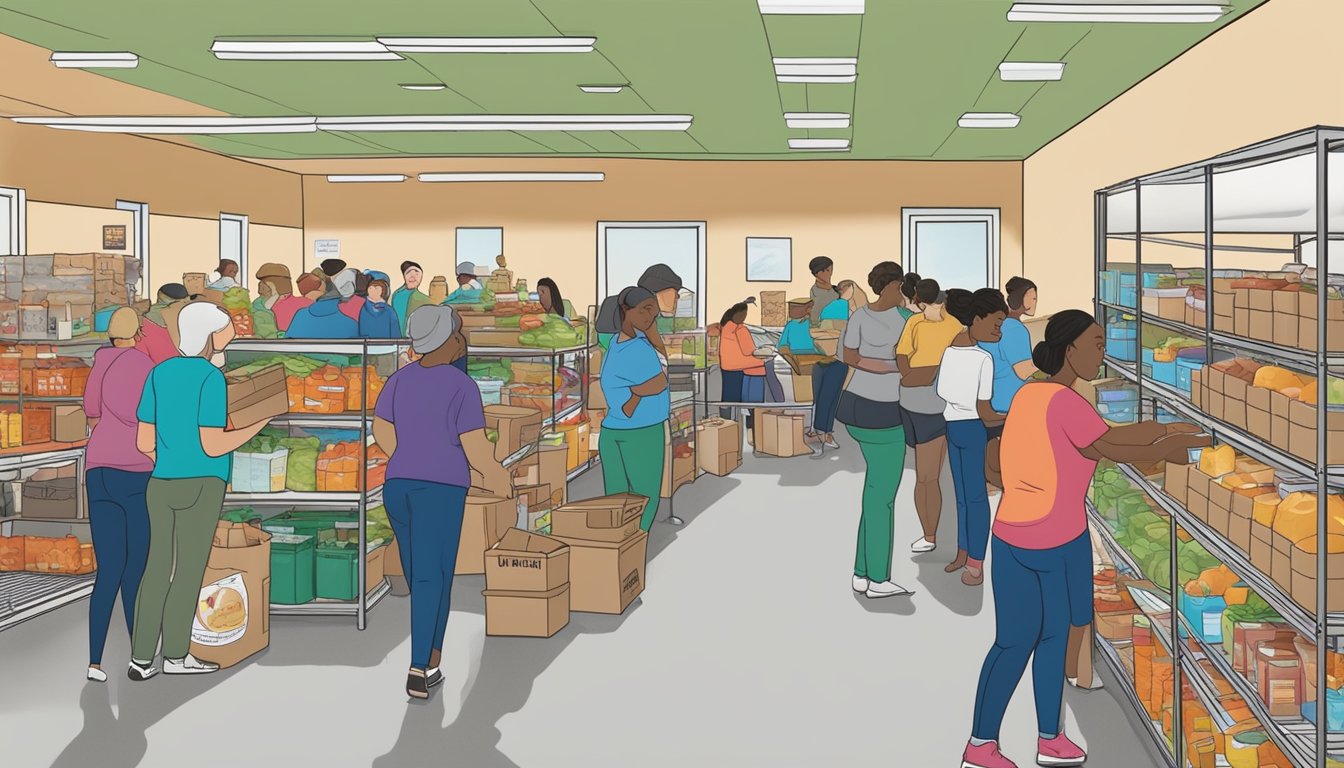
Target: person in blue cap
377 318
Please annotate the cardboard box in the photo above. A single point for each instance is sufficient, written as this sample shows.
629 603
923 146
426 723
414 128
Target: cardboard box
1286 329
609 518
526 614
50 499
827 341
1234 411
526 562
1281 562
1261 325
553 462
517 427
721 466
483 524
718 446
1286 302
1234 388
1197 388
194 282
69 424
780 433
1241 322
605 577
1262 547
1260 300
256 397
802 387
232 619
1213 404
1302 433
1224 324
375 567
494 337
1259 423
1177 482
1196 502
1308 310
1239 523
1220 507
1303 587
1278 423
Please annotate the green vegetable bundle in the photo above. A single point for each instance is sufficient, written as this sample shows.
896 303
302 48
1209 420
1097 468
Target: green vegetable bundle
237 298
553 334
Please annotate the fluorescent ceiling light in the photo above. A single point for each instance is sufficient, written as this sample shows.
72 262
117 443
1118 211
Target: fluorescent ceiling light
176 125
601 88
423 86
1022 71
365 177
833 145
488 44
538 176
834 67
817 119
302 50
507 123
989 120
1133 13
810 7
92 60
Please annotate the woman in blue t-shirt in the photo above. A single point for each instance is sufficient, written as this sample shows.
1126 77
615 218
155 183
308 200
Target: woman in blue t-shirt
1012 363
632 445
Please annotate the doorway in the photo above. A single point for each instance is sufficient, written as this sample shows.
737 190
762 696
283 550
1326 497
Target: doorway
626 248
958 247
140 237
233 243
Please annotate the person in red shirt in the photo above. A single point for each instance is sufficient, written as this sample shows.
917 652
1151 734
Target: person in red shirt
1041 554
277 288
154 339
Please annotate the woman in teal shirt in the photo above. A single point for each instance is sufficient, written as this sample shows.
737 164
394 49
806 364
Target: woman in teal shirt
184 419
632 445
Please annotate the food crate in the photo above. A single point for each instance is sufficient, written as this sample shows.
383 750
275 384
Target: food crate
293 569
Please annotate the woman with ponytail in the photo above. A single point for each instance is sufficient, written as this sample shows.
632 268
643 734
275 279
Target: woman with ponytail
1042 554
966 384
632 445
743 372
1012 362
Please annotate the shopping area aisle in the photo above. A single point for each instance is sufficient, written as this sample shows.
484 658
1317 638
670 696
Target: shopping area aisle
747 648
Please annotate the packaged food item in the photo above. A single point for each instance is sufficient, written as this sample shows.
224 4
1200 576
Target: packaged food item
1219 461
324 391
1279 677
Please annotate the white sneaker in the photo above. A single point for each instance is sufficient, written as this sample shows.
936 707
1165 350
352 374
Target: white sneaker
140 671
97 675
190 665
1095 686
887 589
860 584
829 442
923 545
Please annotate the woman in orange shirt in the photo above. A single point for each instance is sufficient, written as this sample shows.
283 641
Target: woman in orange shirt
743 372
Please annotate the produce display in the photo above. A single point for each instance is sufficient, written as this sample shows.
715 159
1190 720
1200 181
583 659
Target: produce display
238 304
1144 533
552 332
320 387
338 467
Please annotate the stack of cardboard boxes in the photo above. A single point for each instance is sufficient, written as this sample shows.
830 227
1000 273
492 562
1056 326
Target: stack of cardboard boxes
527 592
774 309
1273 416
607 551
55 296
780 433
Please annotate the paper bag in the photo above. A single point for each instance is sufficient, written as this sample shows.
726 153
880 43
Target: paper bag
233 612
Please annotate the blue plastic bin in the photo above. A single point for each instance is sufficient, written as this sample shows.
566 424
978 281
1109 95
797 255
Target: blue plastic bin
1184 367
1121 349
1205 615
1129 296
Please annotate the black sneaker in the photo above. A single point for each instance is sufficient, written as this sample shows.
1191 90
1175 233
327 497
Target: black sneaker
140 671
417 685
433 678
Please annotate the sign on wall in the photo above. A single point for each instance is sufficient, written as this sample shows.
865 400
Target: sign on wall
114 237
769 259
326 249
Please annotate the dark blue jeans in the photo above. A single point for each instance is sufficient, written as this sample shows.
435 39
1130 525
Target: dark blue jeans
1038 594
827 383
119 522
966 442
427 520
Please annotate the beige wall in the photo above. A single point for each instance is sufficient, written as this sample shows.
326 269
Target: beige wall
180 244
850 211
60 228
1263 76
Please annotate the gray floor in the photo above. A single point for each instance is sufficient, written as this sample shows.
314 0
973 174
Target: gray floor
748 648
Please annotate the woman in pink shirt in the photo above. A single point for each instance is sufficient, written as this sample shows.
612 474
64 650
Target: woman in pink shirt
116 477
1041 553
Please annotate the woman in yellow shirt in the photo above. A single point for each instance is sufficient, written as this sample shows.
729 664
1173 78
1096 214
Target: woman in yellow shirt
918 354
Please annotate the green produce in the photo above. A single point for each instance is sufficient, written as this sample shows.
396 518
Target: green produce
1192 559
553 334
236 298
490 369
301 465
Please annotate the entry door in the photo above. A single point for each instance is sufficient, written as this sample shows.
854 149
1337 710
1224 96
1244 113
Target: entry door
626 249
957 247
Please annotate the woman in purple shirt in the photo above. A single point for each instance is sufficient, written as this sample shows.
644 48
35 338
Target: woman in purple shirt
117 476
431 423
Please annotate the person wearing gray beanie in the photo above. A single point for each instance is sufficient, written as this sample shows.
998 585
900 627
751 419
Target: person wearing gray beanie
431 423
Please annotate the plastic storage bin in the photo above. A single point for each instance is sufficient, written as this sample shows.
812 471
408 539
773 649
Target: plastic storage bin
1185 366
490 390
1118 405
293 569
1204 615
337 573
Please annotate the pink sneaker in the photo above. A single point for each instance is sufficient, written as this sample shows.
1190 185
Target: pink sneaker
1059 751
985 756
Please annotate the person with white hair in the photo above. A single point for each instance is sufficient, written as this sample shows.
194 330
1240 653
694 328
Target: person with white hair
431 423
347 283
184 429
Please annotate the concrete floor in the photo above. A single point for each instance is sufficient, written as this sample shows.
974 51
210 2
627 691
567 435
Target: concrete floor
747 648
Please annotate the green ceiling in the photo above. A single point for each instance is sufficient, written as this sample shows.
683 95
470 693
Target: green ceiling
922 63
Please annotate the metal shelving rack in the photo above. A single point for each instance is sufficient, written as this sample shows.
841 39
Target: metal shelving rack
1306 745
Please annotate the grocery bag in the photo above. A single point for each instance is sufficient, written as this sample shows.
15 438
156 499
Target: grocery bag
232 619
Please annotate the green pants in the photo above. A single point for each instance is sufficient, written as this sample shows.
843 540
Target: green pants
182 519
884 454
632 462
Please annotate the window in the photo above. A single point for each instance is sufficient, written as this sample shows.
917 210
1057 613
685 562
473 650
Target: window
13 216
233 243
626 249
958 247
480 246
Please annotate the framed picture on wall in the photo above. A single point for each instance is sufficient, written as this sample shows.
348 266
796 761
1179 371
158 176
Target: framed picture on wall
769 259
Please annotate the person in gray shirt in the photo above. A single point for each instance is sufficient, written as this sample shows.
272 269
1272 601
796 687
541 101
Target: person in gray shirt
822 292
870 409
